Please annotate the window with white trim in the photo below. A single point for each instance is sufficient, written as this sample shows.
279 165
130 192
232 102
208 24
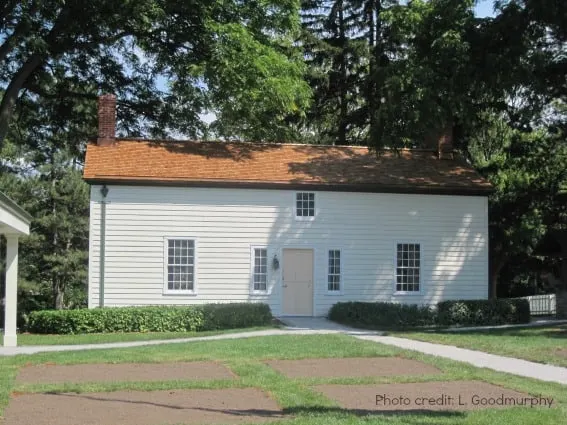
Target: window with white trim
305 204
334 272
408 267
180 265
260 272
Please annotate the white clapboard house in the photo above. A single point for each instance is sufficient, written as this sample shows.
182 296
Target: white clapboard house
299 227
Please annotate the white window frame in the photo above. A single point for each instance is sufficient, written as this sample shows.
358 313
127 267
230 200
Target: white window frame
421 274
253 248
301 217
341 274
166 290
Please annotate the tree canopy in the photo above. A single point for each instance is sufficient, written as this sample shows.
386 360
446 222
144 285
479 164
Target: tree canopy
168 61
381 73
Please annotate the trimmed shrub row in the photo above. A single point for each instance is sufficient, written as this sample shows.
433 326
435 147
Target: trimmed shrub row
483 312
150 319
372 315
448 313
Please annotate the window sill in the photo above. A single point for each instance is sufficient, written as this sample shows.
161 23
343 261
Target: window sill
304 218
260 293
183 293
405 294
334 293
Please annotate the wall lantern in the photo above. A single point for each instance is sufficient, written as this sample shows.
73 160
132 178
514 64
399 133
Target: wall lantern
275 263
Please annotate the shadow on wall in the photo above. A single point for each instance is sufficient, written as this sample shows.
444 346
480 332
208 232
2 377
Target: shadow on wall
458 248
378 261
447 268
285 231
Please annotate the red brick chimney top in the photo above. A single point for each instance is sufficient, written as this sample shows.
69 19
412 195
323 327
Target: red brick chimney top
106 120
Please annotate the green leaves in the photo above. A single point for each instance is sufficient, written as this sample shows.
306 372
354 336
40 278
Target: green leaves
168 61
150 319
483 312
379 315
254 85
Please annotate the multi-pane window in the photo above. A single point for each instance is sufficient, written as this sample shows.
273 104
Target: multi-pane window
180 265
305 204
334 273
408 267
260 275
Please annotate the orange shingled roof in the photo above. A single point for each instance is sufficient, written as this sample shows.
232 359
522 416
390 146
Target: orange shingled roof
340 167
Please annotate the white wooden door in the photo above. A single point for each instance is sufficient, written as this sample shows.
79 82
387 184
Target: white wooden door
297 282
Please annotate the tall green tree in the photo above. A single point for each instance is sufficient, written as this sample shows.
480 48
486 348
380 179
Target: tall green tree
529 173
349 44
333 57
167 60
42 167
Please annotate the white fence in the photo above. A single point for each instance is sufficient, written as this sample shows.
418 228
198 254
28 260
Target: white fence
542 305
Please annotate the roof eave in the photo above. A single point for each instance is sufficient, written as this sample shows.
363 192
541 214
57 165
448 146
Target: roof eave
317 186
15 209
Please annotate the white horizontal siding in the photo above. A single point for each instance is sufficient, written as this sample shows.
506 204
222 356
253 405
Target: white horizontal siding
452 231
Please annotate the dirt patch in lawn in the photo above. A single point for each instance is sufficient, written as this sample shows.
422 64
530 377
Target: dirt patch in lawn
562 352
54 374
429 396
352 367
228 406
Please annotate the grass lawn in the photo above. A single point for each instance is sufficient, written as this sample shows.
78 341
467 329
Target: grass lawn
36 339
539 344
246 358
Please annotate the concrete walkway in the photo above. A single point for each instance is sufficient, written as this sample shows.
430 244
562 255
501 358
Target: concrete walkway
511 365
34 349
322 324
318 326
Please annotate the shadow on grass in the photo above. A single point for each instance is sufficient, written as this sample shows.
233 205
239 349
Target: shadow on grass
559 332
324 410
549 331
527 332
270 413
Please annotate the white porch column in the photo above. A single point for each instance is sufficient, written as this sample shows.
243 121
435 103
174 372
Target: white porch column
11 302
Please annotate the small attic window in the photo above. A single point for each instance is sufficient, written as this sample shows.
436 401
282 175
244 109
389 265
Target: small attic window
304 204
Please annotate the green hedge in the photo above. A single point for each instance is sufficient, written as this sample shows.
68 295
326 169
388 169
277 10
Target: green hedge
382 315
483 312
234 316
149 319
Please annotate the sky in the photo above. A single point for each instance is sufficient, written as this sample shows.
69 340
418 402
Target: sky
485 8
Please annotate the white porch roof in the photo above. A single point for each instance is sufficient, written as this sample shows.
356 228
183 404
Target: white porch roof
13 219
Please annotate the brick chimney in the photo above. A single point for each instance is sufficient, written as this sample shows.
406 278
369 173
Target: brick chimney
106 120
445 142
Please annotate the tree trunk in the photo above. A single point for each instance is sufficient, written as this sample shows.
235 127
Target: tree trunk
494 285
561 292
495 269
370 99
343 91
375 45
10 96
56 279
58 296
